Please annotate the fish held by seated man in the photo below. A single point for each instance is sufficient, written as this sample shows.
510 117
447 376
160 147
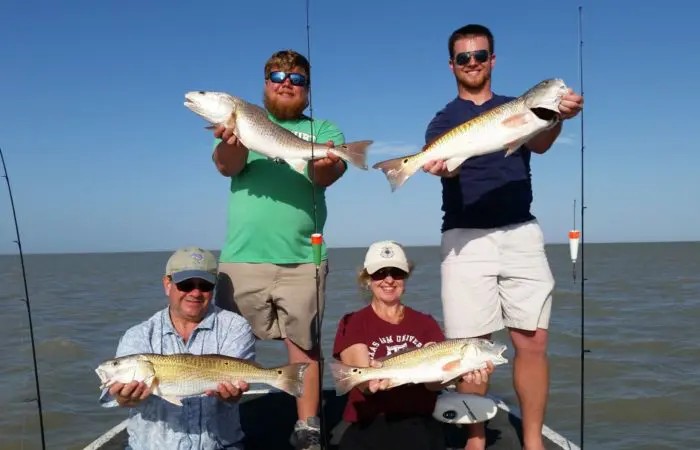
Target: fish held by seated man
174 377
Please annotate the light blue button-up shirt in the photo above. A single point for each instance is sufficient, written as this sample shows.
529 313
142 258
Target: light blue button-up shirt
201 422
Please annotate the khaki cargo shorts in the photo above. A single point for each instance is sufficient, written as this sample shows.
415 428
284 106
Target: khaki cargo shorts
495 278
278 300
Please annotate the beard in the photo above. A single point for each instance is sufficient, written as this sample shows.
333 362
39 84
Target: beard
287 110
471 83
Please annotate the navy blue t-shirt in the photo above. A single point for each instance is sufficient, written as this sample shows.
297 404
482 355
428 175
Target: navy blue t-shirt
491 190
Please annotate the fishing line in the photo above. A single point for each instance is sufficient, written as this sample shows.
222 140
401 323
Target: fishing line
316 243
6 176
583 234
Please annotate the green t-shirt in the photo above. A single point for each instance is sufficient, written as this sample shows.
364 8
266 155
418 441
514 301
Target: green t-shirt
271 206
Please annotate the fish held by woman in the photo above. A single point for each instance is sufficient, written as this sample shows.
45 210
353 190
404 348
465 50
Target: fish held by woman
440 362
174 377
506 127
253 128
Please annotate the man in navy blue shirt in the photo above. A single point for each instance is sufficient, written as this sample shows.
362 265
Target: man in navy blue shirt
494 269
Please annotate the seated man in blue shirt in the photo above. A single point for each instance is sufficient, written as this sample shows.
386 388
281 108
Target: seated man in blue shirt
190 323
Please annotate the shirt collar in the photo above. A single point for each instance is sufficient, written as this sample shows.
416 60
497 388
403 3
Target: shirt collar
207 322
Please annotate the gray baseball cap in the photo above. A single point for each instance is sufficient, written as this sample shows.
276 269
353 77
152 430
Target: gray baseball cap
192 262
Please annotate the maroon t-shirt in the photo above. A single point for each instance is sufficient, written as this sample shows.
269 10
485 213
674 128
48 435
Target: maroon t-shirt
383 339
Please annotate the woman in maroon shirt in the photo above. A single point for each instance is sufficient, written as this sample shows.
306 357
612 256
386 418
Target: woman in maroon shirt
400 417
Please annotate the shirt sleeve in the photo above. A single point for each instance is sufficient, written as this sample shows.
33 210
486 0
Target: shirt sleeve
239 341
327 131
439 125
434 332
133 341
349 333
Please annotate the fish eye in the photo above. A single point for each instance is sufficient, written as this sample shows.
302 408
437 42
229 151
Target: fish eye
115 363
202 92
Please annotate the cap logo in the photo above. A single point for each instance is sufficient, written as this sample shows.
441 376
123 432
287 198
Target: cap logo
198 257
386 252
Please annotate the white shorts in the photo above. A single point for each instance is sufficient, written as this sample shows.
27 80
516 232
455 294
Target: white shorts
495 278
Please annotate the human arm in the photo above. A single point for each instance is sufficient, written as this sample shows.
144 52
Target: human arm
329 169
350 347
132 394
230 155
437 127
571 104
357 355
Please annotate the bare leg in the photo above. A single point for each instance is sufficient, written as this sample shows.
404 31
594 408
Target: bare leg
476 432
307 404
531 382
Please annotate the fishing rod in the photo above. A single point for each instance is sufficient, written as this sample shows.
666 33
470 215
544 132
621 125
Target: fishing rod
6 176
583 234
316 245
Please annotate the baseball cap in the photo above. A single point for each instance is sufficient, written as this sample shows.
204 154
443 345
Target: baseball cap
192 262
385 254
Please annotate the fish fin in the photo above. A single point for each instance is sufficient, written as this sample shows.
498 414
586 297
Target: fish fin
290 378
397 170
513 147
516 120
172 399
453 163
345 377
354 152
210 127
297 164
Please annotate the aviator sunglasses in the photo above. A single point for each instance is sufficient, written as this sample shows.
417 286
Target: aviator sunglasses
481 56
192 284
396 274
297 79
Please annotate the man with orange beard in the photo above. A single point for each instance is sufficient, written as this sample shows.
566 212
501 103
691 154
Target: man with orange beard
266 267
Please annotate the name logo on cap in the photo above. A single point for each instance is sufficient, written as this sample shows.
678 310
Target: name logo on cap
198 257
386 252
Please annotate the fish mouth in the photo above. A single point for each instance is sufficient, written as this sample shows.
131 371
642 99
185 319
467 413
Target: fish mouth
545 114
104 378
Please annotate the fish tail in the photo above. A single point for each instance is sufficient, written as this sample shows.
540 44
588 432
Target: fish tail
345 377
354 152
290 378
397 170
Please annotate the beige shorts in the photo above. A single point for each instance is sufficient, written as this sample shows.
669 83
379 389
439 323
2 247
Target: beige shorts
278 300
495 278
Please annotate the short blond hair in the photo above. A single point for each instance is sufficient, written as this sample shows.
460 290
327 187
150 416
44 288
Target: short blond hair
287 60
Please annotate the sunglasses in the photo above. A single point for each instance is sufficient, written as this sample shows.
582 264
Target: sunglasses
192 284
396 274
481 56
297 79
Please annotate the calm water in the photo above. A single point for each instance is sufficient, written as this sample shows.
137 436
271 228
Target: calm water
642 382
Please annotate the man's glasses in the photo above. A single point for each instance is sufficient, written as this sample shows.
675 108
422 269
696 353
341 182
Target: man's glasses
396 274
481 56
192 284
297 79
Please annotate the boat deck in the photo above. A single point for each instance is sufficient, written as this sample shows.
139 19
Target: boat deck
268 419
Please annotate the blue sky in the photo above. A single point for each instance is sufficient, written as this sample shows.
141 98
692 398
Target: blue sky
103 156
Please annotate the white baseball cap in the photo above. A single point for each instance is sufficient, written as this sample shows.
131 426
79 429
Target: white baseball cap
385 254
